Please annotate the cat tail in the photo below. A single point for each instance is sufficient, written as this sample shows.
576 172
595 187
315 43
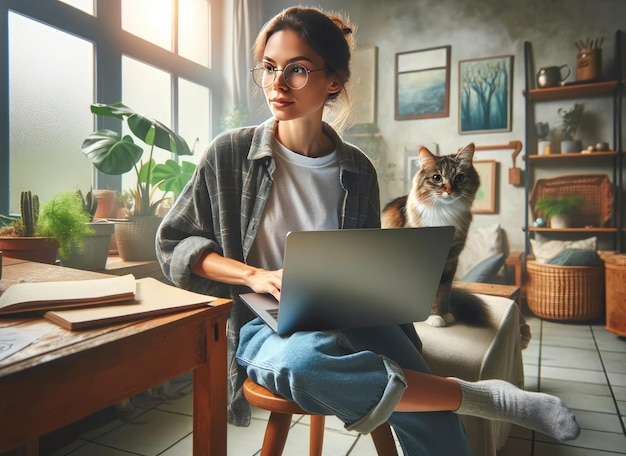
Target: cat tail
469 308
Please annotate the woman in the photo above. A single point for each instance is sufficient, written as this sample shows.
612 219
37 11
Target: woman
226 233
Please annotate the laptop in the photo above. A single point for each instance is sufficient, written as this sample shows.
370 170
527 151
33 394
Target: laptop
339 279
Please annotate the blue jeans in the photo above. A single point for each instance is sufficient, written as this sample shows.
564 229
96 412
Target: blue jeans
353 374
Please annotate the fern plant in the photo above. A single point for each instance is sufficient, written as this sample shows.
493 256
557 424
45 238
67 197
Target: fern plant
64 219
551 206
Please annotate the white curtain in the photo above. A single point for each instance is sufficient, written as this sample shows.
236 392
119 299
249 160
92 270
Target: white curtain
246 25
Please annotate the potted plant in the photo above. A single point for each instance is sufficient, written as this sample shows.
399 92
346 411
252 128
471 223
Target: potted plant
559 209
117 155
570 121
95 249
37 235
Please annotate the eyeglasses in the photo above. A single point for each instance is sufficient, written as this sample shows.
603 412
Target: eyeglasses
295 75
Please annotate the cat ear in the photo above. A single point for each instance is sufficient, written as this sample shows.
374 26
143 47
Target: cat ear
467 153
425 157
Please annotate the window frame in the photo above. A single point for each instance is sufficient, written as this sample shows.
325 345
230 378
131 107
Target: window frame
111 42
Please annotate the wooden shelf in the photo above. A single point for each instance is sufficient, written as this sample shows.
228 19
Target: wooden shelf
576 156
592 89
571 230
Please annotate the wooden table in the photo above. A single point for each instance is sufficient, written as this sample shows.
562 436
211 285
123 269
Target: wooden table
65 376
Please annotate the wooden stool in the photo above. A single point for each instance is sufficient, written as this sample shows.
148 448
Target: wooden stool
280 419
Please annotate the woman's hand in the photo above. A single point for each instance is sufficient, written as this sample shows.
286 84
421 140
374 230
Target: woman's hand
214 266
262 281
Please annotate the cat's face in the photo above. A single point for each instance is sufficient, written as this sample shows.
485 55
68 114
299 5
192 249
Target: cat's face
446 179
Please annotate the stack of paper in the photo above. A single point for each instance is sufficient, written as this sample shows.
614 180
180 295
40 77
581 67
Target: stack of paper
86 303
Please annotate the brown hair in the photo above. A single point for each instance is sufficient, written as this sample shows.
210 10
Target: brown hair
328 34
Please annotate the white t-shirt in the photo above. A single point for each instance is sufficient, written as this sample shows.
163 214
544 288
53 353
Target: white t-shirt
306 196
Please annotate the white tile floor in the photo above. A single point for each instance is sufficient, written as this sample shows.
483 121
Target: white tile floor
583 364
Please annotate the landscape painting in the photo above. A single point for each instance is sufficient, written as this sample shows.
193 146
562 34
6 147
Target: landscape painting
422 84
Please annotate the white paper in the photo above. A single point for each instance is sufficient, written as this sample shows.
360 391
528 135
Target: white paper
13 340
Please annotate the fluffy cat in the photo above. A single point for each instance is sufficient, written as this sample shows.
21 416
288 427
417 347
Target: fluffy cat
442 193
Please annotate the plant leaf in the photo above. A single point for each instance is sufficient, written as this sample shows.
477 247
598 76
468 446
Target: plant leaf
172 177
154 132
109 153
117 110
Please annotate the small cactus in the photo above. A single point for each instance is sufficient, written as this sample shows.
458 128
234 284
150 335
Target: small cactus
29 207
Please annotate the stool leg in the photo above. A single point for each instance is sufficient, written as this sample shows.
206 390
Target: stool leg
383 441
316 436
276 434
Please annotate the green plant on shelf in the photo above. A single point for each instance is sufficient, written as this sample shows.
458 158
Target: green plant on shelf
552 206
570 120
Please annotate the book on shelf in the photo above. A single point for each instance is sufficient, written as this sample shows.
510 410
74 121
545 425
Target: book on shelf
152 298
33 296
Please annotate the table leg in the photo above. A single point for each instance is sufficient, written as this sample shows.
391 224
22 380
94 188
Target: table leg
209 394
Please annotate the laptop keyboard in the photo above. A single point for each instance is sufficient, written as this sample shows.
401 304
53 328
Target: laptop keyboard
273 312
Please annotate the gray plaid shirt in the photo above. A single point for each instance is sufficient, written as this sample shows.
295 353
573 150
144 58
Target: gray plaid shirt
221 208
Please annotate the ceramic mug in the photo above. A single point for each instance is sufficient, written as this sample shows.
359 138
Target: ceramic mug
552 76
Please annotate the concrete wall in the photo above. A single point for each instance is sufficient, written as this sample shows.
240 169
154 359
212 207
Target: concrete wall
478 29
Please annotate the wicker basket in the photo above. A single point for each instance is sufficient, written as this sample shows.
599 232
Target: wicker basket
595 188
565 292
136 238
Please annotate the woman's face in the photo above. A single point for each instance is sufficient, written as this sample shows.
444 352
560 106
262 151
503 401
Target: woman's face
286 47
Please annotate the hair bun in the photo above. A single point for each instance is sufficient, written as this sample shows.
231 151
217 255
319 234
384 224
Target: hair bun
345 29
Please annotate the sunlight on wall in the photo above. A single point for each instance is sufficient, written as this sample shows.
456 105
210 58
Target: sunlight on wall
150 20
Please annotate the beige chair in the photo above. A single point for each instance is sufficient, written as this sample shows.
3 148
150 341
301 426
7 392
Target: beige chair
473 354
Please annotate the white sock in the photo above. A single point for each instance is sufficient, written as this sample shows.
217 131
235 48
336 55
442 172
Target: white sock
502 401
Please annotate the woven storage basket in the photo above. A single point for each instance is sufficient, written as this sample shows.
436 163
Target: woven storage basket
136 238
565 292
595 188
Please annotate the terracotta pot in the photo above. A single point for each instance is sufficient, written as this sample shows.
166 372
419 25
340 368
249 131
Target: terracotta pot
39 249
135 238
107 204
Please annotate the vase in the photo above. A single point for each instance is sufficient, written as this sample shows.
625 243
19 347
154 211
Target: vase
95 248
136 237
39 249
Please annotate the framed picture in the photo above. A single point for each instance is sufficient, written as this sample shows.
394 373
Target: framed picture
412 167
422 84
485 99
412 163
364 63
485 201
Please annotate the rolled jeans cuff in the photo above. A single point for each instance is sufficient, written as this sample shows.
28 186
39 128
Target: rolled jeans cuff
388 402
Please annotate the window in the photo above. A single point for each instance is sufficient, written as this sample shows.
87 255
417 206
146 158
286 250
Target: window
152 55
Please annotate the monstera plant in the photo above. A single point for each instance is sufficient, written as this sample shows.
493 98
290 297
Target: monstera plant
114 154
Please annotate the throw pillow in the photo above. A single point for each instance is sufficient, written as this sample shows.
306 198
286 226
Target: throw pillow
484 271
576 257
543 251
481 243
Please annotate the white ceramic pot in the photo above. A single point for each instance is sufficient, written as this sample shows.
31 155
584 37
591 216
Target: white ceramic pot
560 221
